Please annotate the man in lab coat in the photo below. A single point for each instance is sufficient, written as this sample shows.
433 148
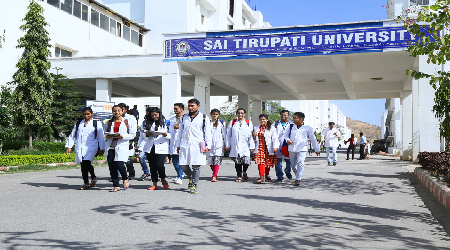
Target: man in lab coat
281 127
331 135
193 142
297 136
173 129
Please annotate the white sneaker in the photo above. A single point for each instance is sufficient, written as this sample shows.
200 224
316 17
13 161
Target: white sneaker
178 181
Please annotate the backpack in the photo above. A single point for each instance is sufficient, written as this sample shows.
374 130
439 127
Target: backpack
78 125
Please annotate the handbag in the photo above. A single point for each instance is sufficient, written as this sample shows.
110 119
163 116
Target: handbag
284 148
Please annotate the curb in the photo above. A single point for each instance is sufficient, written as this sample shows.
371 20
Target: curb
439 190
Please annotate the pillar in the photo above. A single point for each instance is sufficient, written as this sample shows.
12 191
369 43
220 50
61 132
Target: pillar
103 90
256 111
244 102
407 125
171 87
202 90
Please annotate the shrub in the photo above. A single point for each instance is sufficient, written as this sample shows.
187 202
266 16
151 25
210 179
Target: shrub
50 146
16 160
14 145
437 163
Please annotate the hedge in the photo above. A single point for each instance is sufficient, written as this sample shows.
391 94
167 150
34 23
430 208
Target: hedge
14 145
39 145
437 163
17 160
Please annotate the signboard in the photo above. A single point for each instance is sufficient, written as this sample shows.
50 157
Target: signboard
376 38
102 110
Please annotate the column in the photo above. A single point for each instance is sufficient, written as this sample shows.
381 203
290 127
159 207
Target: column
171 87
407 126
244 102
256 111
103 90
202 92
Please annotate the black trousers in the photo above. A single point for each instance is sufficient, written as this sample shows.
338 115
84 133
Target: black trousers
114 166
240 168
156 164
362 154
86 168
352 148
130 167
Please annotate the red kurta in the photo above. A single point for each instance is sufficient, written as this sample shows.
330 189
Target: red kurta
262 157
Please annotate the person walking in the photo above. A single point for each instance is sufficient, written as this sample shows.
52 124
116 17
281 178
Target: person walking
297 137
140 149
132 123
330 135
193 142
87 135
266 147
362 145
280 129
218 137
351 146
135 112
156 146
173 129
240 143
118 136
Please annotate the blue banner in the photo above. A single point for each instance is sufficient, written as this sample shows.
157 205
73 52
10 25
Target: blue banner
302 42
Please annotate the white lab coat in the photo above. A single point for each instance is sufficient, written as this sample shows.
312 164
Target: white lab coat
299 137
173 135
240 139
218 139
87 145
161 143
132 123
281 131
190 138
271 138
331 140
122 151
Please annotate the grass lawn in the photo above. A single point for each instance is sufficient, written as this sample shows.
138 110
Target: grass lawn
44 168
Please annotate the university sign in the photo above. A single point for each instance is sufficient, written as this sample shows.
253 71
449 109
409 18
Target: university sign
374 38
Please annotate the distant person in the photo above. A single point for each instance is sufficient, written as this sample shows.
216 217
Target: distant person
351 146
367 149
135 112
87 135
297 137
362 145
330 135
281 127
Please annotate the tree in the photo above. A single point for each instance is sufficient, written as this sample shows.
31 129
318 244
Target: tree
7 132
64 108
437 49
34 88
228 111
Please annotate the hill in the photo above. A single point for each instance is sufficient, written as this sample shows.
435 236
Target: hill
371 132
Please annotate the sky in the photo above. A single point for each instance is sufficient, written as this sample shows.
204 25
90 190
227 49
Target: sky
302 12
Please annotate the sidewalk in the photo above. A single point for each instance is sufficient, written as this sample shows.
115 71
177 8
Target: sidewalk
368 204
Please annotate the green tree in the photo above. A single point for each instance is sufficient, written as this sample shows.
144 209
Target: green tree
437 48
7 132
34 88
64 108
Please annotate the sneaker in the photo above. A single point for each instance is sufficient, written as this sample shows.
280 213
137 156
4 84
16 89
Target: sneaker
178 181
296 183
143 177
193 190
191 185
329 163
334 163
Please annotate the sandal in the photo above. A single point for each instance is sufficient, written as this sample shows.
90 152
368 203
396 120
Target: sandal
116 189
84 187
94 182
214 179
245 176
126 184
152 188
260 181
239 179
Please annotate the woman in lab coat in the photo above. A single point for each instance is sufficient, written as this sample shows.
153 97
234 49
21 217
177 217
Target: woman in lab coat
266 147
218 134
155 144
117 147
240 142
88 135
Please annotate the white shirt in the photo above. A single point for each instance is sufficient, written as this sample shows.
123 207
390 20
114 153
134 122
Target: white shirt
85 140
240 139
331 140
161 143
219 136
299 137
132 124
281 131
362 140
174 135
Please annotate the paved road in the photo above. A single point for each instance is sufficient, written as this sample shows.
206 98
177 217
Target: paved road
374 204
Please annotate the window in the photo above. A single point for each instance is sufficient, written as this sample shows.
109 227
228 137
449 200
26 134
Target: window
54 3
230 27
113 27
134 37
419 2
119 29
126 33
202 19
95 18
140 39
84 12
66 5
77 9
231 8
104 22
62 52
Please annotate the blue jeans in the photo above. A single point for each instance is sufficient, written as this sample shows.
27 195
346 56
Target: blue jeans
143 163
279 168
333 149
176 165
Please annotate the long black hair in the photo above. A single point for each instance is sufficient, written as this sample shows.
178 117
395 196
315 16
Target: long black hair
217 121
149 120
269 123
